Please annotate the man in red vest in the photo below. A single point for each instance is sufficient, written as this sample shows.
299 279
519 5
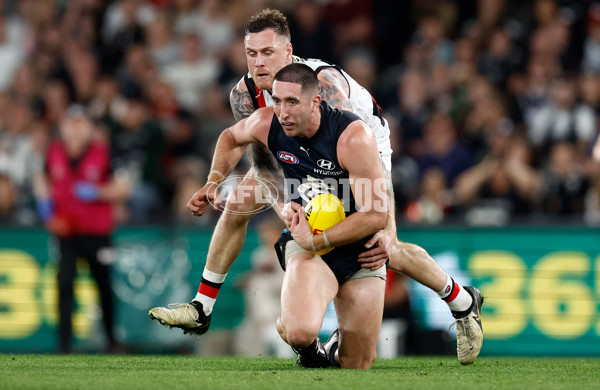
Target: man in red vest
74 194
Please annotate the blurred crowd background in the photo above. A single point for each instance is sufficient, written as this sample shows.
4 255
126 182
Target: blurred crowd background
492 103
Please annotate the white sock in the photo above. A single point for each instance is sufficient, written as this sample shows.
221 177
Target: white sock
209 289
457 298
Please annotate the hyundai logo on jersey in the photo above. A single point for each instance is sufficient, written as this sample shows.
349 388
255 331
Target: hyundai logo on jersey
325 164
288 158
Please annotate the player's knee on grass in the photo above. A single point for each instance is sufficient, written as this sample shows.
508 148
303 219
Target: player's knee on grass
298 331
299 335
355 352
361 360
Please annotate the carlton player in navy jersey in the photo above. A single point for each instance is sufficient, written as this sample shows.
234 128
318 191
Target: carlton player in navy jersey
310 283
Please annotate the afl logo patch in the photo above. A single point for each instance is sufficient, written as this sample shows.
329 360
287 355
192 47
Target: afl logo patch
325 164
288 158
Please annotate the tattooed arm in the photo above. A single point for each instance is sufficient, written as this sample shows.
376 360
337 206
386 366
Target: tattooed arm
240 101
334 89
242 107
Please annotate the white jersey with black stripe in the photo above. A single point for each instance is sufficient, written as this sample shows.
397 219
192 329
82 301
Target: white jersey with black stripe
364 103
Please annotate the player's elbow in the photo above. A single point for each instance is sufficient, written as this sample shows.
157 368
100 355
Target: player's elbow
375 214
375 221
227 137
379 220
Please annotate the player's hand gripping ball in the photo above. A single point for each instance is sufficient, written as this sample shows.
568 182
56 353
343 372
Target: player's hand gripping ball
324 211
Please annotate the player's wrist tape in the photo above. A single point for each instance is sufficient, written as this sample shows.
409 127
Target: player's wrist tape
216 172
326 240
325 244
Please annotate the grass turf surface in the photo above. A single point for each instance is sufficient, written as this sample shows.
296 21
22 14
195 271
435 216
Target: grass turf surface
89 372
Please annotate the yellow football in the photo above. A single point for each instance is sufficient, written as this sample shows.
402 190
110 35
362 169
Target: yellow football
322 212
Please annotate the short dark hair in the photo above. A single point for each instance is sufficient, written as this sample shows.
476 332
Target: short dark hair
268 18
299 74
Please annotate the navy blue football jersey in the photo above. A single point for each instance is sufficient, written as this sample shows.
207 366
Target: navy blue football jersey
311 167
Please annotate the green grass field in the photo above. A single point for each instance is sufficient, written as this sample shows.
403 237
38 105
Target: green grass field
89 372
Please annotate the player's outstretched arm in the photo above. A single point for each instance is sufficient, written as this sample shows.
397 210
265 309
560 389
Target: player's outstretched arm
230 148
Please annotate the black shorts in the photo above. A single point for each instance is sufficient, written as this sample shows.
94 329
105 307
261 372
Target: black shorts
341 260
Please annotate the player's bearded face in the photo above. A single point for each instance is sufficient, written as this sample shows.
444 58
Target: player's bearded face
266 54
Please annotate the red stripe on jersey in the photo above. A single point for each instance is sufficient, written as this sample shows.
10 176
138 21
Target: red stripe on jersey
207 290
260 97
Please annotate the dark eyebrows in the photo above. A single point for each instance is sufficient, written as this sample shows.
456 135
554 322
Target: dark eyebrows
271 48
287 98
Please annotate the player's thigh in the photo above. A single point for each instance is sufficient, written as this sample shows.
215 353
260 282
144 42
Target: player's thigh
308 287
359 308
